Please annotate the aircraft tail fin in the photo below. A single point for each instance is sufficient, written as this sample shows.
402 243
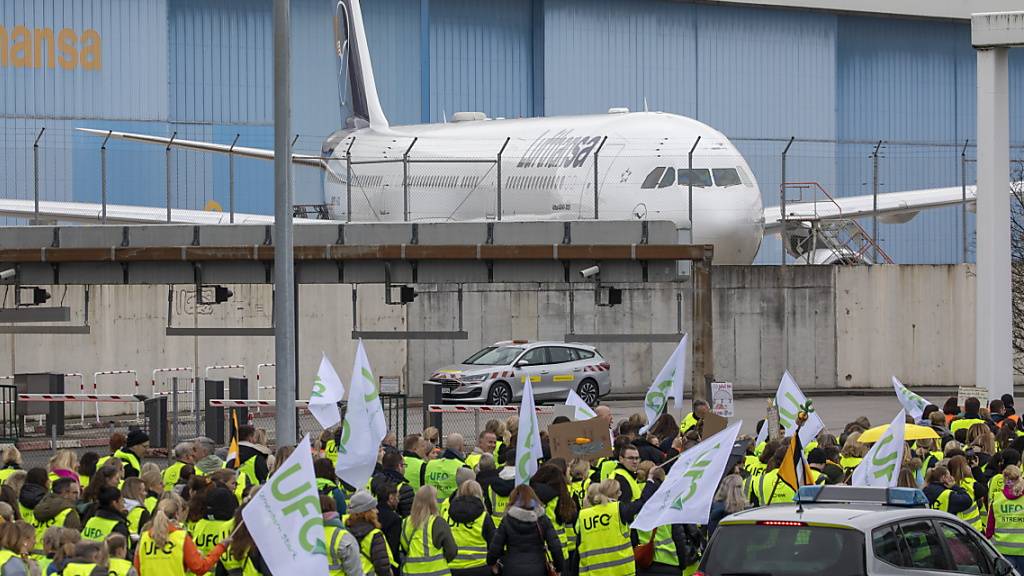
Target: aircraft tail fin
350 43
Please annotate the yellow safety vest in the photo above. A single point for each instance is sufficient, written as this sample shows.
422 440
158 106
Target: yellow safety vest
634 486
665 550
41 527
7 473
849 463
97 529
498 505
83 481
963 424
607 467
441 475
560 529
172 474
1008 514
78 569
689 423
206 533
366 548
119 567
578 490
331 451
995 486
422 557
497 450
135 520
167 560
130 461
472 460
470 540
27 514
970 516
150 503
334 562
413 466
248 468
770 481
325 486
604 548
103 460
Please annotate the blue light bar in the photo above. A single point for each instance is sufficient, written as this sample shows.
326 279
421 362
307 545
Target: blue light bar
903 497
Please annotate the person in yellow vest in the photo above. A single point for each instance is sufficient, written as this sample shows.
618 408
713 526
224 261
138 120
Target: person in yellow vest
415 456
362 522
770 488
499 489
87 557
110 517
10 462
961 472
86 468
136 447
154 489
343 557
16 541
63 464
134 494
115 443
852 453
625 473
1004 518
184 454
327 483
166 549
118 563
393 469
58 547
57 508
548 482
253 456
603 537
440 472
472 528
36 486
485 443
426 541
691 420
944 493
496 427
603 468
218 521
579 480
969 418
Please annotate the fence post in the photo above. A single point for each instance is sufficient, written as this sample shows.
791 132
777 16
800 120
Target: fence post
689 186
782 200
874 202
963 203
596 152
35 173
167 174
174 408
500 152
103 178
405 181
238 389
231 180
348 180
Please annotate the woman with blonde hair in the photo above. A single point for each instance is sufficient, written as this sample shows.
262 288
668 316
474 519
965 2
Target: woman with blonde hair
471 528
134 493
61 541
426 538
166 548
730 498
852 453
10 462
983 441
63 464
16 541
1004 518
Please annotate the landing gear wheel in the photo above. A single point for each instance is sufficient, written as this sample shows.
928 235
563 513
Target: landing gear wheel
500 394
589 391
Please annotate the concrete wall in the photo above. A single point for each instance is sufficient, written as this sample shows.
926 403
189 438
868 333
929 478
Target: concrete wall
831 327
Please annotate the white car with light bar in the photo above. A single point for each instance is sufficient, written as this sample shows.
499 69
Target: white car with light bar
495 375
849 531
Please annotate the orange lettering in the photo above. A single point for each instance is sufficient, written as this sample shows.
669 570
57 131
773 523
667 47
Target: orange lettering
67 43
44 34
91 52
21 47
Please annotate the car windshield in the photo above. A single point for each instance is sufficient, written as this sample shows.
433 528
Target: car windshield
494 356
785 551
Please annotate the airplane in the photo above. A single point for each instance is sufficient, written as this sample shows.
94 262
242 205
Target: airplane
549 168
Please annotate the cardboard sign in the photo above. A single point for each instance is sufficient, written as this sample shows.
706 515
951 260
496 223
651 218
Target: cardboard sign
712 424
965 392
583 440
721 399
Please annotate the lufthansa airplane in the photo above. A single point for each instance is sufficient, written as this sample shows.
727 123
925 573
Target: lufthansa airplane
449 172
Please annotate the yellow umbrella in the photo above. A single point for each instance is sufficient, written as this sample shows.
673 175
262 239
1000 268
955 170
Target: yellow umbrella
910 432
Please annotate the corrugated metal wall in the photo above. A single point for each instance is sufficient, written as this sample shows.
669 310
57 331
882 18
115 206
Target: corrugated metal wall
203 68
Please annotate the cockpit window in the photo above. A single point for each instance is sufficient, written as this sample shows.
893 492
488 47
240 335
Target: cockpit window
653 178
743 176
668 179
701 177
726 177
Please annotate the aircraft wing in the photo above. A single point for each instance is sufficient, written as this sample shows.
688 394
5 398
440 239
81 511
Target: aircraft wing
244 151
121 214
893 207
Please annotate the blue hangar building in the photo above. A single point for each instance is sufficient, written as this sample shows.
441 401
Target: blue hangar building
838 75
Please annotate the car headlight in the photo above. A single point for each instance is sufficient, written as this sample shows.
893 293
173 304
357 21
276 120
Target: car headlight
473 379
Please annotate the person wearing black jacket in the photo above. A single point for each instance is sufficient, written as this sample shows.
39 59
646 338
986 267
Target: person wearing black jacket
470 522
939 481
688 542
390 520
110 510
392 469
253 456
520 541
37 484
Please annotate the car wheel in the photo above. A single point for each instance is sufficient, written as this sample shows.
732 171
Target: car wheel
589 391
500 394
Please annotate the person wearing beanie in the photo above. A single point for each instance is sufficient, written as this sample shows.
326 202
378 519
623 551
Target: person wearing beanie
363 523
135 448
218 523
110 517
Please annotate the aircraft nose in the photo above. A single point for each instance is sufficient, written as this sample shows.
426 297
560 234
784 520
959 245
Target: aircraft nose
735 230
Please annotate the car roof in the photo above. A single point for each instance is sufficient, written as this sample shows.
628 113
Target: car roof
860 515
529 345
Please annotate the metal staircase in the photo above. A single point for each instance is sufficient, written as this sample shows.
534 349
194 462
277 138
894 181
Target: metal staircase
814 240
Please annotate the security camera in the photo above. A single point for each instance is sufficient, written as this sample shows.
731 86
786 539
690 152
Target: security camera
8 274
590 272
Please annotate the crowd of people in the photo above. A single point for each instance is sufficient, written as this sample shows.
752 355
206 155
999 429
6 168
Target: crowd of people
436 508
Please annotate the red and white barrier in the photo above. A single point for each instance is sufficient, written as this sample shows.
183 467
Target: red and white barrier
152 382
482 408
81 397
259 381
238 403
95 387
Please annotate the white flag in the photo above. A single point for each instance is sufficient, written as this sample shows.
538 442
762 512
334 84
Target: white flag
668 382
762 436
528 448
327 392
881 465
582 411
686 494
788 400
912 403
285 520
364 426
